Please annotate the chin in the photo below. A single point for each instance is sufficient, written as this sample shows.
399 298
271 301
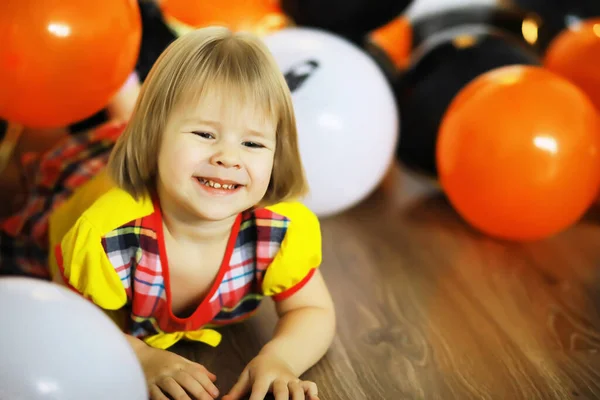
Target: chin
216 212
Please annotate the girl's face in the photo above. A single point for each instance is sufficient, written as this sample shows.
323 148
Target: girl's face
215 159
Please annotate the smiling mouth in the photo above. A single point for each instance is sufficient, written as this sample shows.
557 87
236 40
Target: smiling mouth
226 185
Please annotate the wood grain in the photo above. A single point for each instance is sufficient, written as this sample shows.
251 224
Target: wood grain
428 308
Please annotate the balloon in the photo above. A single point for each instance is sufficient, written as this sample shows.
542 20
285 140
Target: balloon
346 116
575 54
257 16
441 68
57 345
349 18
517 24
62 60
518 153
396 44
156 37
424 8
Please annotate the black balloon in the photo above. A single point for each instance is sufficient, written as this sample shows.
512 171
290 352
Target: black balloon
557 15
445 64
349 18
156 36
508 20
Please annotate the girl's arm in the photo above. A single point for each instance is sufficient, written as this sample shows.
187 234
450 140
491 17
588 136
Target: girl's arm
306 326
304 332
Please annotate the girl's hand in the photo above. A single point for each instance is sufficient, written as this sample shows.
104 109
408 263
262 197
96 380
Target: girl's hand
170 374
268 373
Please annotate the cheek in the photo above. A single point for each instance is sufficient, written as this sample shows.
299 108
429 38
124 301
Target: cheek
177 162
260 170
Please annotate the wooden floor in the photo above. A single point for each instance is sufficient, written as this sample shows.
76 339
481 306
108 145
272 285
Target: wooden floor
430 309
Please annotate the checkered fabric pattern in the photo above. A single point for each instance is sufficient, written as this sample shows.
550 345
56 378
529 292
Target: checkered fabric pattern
134 251
51 178
260 237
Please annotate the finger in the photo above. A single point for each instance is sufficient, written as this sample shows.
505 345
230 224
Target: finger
194 386
202 368
204 380
209 374
170 386
296 390
311 389
280 390
260 389
156 393
240 388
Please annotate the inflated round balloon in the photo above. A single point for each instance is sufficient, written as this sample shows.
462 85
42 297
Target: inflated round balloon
346 115
575 54
257 16
57 345
441 67
349 18
518 153
62 60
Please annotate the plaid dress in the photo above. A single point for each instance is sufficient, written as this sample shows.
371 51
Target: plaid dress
113 252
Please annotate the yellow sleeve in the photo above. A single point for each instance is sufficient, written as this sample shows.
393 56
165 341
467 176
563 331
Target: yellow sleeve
299 255
85 267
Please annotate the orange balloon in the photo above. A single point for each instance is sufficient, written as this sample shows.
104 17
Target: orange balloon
258 16
518 153
575 54
62 60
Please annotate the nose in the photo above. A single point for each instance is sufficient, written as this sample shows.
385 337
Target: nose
226 156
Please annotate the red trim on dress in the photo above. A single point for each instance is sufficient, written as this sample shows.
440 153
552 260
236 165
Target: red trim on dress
61 268
202 314
288 292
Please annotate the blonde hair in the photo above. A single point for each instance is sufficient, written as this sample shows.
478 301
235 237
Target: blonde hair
202 60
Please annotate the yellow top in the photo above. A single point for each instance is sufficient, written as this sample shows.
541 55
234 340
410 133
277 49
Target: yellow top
109 247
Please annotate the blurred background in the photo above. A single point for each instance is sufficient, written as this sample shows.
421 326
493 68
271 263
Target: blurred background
495 102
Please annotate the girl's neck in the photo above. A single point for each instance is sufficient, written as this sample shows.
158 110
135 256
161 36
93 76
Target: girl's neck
199 231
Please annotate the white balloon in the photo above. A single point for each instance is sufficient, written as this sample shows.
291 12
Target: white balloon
57 345
346 115
422 8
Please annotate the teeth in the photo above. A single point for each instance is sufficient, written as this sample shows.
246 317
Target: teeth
216 185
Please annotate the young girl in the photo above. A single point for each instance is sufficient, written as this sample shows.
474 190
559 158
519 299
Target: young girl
192 222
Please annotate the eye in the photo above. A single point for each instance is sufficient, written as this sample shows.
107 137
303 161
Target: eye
253 145
204 135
